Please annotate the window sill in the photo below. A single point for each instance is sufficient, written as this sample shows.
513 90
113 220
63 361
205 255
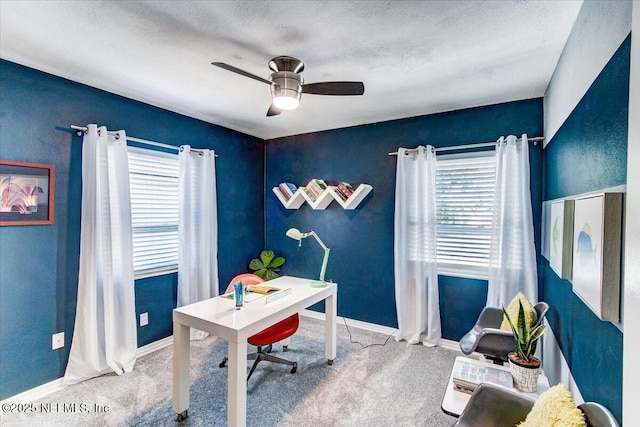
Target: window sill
466 274
153 273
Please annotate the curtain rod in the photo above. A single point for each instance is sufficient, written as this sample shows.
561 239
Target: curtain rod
83 129
468 146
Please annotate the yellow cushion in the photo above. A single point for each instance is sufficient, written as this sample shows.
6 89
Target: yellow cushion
530 315
555 408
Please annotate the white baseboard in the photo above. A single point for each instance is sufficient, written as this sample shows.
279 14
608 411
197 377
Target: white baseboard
154 346
36 392
452 345
58 384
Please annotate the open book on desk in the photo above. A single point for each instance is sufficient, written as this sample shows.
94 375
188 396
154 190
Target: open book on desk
261 289
262 292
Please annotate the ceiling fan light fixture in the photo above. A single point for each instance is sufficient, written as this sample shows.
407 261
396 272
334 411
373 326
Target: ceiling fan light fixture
286 102
286 84
286 89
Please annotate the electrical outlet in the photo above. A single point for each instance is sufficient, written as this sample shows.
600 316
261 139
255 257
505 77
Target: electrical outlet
57 340
144 319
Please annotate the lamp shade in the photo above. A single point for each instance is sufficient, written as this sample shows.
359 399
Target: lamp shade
294 233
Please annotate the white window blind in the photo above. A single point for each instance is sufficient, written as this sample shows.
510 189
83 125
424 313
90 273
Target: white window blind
465 187
154 209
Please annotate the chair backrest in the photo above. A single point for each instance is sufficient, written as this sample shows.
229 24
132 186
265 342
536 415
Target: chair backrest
246 278
597 415
541 310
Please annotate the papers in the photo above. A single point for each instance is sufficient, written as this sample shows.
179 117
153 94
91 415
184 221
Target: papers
277 295
248 296
467 376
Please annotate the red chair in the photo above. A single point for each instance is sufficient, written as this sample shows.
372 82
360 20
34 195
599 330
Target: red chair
267 337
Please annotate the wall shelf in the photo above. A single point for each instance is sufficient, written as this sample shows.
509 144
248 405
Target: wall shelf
325 199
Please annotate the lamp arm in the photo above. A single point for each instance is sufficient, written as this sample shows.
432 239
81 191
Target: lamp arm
325 260
322 245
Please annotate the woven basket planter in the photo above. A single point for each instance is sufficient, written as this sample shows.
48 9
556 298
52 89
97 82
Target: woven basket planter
525 375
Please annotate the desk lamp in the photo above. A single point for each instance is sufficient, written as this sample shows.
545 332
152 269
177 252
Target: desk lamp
296 234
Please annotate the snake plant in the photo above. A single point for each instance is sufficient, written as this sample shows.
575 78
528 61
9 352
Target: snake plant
525 339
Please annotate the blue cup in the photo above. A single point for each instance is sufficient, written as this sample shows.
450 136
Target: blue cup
238 292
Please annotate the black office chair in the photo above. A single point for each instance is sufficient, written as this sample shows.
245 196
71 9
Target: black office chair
487 338
493 406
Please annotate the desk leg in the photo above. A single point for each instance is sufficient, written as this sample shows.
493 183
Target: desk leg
331 308
237 384
181 362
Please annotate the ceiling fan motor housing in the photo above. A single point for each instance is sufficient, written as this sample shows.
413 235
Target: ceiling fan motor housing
286 89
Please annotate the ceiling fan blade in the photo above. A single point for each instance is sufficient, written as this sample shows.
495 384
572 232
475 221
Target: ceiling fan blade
273 111
334 88
236 70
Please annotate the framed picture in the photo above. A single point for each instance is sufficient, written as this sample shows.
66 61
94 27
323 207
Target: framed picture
597 245
26 193
561 238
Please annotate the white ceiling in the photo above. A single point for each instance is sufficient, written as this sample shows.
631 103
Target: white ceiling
414 57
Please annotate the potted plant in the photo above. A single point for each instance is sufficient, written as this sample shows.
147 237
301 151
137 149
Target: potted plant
524 367
267 265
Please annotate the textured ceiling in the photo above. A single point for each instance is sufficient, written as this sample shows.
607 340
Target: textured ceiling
414 57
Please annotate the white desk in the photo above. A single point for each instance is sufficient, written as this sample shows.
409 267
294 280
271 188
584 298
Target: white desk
219 317
455 401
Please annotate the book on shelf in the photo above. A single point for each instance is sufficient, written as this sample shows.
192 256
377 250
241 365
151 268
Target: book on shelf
345 190
310 194
467 376
316 187
292 187
320 184
287 189
284 191
340 194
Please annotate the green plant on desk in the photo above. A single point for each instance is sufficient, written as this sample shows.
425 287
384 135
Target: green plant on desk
267 265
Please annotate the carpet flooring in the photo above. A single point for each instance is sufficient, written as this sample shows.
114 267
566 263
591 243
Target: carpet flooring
395 384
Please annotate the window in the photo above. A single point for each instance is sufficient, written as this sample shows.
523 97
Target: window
154 210
465 186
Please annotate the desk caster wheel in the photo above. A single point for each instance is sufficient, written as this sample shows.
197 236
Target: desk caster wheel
295 368
330 361
182 416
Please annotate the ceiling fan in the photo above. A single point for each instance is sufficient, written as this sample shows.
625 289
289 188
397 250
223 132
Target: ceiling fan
287 85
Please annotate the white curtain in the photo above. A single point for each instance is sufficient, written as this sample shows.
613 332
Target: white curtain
104 337
415 257
197 229
512 265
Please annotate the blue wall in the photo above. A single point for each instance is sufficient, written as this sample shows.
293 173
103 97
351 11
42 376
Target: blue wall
39 264
589 153
361 240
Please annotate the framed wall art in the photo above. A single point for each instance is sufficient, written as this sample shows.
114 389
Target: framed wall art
561 238
26 193
597 245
